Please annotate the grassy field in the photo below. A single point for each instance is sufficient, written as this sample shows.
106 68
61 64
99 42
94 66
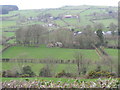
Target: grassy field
8 34
58 53
43 52
113 53
59 22
106 22
52 53
8 23
36 67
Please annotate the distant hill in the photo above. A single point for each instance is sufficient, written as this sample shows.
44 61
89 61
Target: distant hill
4 9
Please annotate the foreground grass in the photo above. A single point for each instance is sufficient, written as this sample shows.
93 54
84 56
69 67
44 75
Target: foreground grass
68 80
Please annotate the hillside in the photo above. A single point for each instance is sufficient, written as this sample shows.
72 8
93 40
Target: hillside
71 17
71 41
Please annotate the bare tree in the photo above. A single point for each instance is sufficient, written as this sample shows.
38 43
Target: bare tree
62 35
81 62
98 26
32 35
86 38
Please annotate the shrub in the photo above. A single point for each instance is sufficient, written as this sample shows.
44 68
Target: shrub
45 72
98 68
27 71
97 74
63 74
4 74
84 71
25 75
10 73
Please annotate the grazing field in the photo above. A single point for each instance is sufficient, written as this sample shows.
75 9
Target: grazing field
112 52
52 53
36 67
60 22
55 68
8 34
107 22
43 52
8 23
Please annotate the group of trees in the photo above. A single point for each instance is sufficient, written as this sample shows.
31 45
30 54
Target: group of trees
34 35
86 39
62 35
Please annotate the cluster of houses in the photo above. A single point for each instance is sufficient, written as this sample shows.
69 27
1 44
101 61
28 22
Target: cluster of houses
104 33
52 18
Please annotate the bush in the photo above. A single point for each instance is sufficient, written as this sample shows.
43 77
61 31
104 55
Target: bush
27 71
45 72
97 74
25 75
84 71
10 73
63 74
98 68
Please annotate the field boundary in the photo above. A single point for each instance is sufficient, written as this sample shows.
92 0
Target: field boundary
40 61
8 46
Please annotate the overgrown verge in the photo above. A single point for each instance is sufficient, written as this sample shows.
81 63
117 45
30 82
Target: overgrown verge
107 83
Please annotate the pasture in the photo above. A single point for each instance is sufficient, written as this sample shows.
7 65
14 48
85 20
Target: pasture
7 24
36 67
44 52
52 53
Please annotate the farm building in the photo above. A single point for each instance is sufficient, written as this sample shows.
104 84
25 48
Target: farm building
68 16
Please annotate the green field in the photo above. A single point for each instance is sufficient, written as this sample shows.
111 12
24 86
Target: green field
107 22
8 34
52 53
42 52
36 67
8 23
